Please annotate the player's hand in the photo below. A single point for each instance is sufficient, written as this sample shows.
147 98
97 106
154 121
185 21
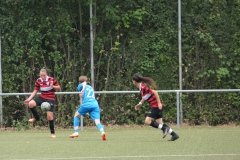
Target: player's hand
137 106
51 84
26 101
81 93
160 105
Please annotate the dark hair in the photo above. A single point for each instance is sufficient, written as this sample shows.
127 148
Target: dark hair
148 80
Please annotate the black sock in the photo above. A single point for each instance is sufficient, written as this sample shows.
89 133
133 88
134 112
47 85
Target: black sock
154 124
34 112
51 126
164 126
172 133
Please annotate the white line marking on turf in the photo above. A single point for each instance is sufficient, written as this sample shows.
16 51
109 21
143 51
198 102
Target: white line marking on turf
150 156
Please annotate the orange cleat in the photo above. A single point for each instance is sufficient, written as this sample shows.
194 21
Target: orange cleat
103 136
53 135
74 135
32 120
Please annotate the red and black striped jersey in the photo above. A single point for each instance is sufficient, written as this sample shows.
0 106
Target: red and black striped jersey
148 95
45 86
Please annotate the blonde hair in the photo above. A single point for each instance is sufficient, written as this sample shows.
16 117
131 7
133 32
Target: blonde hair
43 70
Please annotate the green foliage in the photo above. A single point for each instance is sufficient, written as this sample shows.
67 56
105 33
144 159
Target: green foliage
211 108
129 37
20 125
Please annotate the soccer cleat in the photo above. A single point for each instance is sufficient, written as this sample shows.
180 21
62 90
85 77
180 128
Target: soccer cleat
74 135
165 131
53 135
32 120
103 136
174 137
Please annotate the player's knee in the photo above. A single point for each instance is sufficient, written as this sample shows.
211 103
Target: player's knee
49 115
159 121
76 114
97 121
147 121
32 104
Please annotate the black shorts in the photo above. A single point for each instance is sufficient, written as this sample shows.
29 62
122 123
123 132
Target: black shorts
39 100
155 113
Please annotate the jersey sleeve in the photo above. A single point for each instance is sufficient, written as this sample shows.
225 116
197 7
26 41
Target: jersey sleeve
79 87
37 85
55 83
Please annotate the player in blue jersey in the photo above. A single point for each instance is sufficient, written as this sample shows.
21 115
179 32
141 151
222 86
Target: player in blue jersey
89 105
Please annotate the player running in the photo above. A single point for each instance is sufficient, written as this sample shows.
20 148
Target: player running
89 105
154 117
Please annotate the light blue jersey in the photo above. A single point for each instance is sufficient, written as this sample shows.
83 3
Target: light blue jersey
88 93
89 104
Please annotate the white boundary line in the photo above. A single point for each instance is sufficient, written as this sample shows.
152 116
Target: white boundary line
126 157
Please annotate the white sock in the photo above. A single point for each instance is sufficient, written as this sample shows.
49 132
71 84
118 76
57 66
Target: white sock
170 131
160 126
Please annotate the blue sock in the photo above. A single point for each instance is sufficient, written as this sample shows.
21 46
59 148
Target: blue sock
100 127
76 123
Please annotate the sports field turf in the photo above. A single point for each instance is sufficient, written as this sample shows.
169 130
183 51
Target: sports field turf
123 143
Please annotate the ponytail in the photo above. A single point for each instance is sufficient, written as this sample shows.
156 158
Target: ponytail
148 80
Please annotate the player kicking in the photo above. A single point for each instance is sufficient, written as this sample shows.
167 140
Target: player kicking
89 105
48 86
152 97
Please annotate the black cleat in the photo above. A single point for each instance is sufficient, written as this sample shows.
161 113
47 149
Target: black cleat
165 131
174 137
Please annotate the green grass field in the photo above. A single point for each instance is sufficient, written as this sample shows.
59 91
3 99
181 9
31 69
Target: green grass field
123 143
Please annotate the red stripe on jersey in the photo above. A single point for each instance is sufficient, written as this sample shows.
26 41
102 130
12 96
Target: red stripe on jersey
147 92
47 92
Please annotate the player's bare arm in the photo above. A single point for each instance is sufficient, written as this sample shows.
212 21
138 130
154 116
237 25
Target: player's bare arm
56 87
158 99
139 104
30 97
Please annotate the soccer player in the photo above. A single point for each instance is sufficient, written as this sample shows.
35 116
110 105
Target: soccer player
154 117
89 105
47 85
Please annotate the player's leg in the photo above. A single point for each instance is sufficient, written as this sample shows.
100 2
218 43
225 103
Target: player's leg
50 118
100 128
152 114
174 135
159 120
32 105
95 115
150 121
166 129
76 120
156 113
